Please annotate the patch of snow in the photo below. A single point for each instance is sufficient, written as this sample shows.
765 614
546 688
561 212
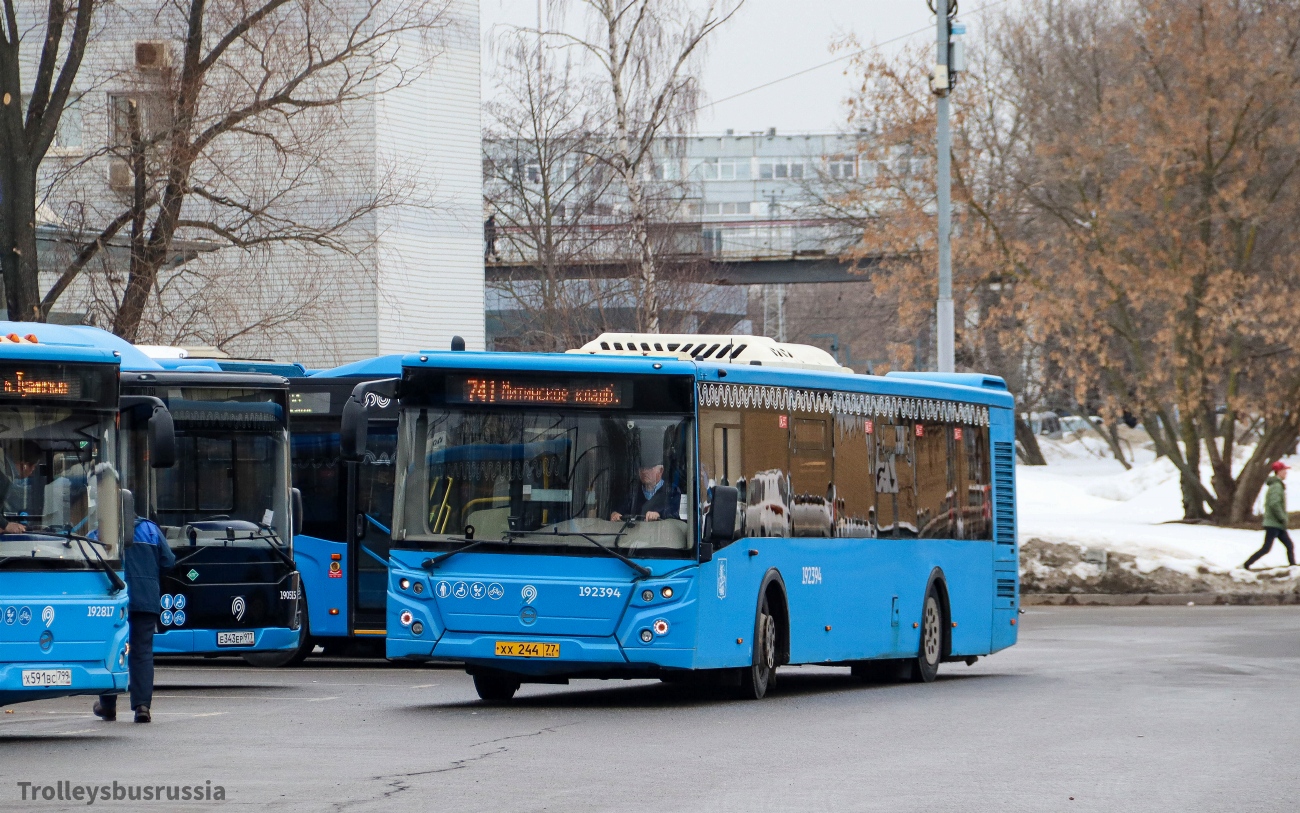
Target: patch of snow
1085 497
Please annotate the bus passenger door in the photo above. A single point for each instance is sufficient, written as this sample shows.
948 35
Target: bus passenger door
369 535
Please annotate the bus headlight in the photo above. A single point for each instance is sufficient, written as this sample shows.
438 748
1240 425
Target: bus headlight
666 592
647 636
417 628
405 584
647 595
419 588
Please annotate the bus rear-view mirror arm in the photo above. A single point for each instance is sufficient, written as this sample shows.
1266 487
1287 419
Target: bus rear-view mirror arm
355 425
162 430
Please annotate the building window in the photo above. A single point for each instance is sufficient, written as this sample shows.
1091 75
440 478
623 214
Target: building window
781 169
842 166
68 137
154 112
723 169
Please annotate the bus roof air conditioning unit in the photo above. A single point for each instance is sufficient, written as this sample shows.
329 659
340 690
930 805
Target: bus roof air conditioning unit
152 55
716 349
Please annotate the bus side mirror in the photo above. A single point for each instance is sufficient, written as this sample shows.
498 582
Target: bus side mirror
354 429
722 515
296 525
162 439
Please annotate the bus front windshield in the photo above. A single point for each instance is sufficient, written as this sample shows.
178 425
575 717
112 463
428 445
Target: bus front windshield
230 483
59 489
551 481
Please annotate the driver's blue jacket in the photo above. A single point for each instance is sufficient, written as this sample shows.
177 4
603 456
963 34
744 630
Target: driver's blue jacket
146 558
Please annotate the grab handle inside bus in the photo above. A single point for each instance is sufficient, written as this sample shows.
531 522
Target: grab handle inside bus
354 427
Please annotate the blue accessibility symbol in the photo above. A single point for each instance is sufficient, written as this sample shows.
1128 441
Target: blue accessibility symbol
179 618
460 590
166 601
11 615
179 603
166 618
25 616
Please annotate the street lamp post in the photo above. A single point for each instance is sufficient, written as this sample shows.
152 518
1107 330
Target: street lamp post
941 84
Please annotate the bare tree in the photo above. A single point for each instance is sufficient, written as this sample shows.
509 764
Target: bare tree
29 123
547 189
646 53
241 134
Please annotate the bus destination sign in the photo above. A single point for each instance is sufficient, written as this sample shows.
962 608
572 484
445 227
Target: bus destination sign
23 384
503 391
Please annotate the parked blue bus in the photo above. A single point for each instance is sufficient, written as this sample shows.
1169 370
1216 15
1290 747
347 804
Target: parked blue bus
678 506
226 506
62 600
342 548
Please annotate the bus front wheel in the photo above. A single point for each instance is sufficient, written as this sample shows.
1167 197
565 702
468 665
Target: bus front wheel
930 652
757 677
495 689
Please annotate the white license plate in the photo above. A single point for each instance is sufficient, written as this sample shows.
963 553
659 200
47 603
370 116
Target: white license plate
47 677
235 638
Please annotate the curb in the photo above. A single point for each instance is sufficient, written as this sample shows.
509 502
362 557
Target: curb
1154 599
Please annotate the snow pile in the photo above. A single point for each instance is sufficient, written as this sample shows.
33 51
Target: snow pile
1085 499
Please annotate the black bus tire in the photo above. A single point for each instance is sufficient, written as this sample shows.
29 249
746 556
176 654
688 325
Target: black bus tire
495 688
756 678
930 652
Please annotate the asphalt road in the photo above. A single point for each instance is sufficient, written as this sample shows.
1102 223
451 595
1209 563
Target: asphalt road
1097 709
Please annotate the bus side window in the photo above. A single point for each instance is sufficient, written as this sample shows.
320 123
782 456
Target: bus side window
765 456
933 489
855 485
720 455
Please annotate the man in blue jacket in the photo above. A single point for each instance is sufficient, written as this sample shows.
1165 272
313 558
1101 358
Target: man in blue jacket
146 557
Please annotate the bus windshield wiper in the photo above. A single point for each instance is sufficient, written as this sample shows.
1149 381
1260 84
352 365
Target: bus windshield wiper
644 571
113 579
430 564
269 536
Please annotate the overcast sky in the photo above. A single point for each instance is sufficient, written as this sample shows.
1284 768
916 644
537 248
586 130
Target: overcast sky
766 40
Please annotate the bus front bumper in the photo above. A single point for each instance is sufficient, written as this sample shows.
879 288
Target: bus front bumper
87 678
575 655
204 641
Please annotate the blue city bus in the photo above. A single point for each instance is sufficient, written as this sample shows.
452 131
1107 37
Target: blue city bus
226 507
694 506
62 600
342 548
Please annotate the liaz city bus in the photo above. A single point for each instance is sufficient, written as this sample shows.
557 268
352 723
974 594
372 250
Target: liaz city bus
62 600
227 507
341 548
670 506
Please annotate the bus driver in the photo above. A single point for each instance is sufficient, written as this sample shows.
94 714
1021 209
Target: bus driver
654 499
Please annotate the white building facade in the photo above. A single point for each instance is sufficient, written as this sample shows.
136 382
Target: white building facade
411 276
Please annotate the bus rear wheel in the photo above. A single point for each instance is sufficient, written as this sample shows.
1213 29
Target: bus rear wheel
495 688
757 677
931 649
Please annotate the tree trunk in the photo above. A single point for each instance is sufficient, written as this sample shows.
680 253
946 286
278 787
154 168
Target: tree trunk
1030 452
18 239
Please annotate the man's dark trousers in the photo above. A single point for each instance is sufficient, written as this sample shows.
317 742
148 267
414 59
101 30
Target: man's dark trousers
139 661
